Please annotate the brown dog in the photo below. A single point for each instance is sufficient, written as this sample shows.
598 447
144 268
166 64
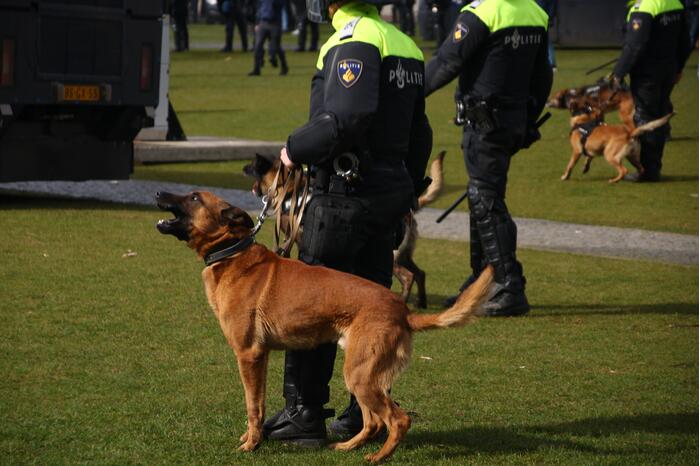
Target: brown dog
599 95
266 302
590 136
263 171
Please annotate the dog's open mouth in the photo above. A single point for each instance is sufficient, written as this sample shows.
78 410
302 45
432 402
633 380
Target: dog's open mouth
166 225
177 225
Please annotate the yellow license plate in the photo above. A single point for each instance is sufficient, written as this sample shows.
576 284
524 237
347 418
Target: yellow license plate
82 93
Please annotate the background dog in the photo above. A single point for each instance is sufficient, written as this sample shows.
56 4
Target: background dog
599 95
263 171
265 302
590 136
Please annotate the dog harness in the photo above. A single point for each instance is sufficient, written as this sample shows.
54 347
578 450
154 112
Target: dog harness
585 130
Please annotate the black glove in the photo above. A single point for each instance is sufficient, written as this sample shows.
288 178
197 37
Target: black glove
616 83
532 135
422 186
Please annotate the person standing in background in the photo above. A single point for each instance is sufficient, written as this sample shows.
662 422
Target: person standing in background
656 47
691 8
268 26
232 11
498 49
303 23
182 37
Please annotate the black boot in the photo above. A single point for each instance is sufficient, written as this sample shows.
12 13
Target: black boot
498 237
306 378
349 423
284 69
301 424
506 304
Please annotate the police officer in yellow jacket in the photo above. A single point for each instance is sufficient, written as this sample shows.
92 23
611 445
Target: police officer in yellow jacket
498 48
656 48
367 142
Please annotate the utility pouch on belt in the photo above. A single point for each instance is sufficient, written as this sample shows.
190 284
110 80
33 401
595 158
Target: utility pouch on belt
478 114
331 226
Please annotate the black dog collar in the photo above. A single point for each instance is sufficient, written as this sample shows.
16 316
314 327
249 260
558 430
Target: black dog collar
217 256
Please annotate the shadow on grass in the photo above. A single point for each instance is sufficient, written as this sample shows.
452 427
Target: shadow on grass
612 309
502 440
681 138
436 304
677 178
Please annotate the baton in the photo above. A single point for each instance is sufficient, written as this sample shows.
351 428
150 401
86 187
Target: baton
608 63
543 119
452 207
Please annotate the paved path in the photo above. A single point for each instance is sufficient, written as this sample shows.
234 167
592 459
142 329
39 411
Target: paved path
534 234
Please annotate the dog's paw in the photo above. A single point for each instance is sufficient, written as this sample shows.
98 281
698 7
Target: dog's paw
244 437
564 177
248 446
340 446
374 458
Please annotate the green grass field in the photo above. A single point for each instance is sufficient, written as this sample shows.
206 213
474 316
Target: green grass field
114 359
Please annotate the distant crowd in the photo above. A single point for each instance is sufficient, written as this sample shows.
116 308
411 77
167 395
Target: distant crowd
264 21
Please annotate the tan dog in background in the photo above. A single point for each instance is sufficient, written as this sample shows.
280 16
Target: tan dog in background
614 142
263 171
265 302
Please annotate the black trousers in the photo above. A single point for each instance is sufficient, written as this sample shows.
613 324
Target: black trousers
304 24
272 32
406 17
235 18
369 254
652 100
182 35
493 234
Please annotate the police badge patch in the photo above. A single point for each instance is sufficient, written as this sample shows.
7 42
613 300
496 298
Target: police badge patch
349 71
460 32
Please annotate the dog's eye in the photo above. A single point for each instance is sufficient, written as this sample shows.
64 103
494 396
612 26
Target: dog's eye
195 198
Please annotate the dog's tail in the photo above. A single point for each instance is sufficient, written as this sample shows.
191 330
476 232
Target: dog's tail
436 185
652 125
463 311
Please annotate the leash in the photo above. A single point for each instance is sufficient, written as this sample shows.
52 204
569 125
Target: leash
600 67
261 216
296 185
287 182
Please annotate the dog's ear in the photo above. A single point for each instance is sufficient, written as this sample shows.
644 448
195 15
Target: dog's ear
258 167
249 170
234 216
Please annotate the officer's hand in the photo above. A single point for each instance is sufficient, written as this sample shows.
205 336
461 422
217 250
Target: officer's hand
615 82
284 157
532 135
